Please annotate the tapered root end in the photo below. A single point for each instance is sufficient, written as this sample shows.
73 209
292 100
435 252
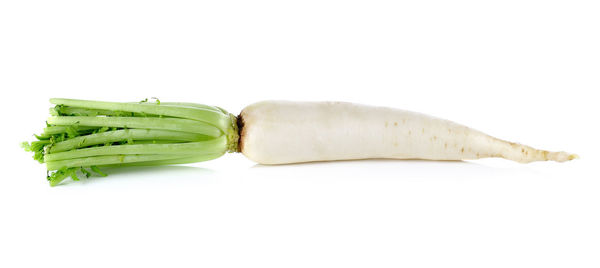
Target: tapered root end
525 154
560 156
540 155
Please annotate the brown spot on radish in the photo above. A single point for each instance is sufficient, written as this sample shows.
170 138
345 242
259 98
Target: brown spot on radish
395 124
462 150
241 123
434 137
396 144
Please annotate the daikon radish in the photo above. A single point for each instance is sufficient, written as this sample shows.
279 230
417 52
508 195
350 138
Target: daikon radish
281 132
84 135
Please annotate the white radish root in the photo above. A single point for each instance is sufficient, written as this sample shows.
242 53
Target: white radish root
281 132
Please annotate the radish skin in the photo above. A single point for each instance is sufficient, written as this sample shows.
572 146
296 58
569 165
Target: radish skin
282 132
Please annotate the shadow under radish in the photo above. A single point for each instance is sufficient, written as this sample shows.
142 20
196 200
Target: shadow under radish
399 169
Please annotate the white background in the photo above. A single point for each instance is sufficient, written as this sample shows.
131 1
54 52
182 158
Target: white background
526 71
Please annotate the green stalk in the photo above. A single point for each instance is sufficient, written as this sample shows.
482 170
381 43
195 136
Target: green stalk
188 105
111 160
176 124
157 142
124 135
218 119
53 130
176 161
211 146
77 111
